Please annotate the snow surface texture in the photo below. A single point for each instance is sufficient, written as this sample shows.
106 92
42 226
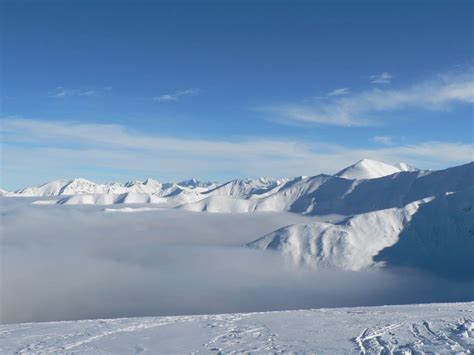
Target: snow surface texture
410 329
435 234
350 244
370 169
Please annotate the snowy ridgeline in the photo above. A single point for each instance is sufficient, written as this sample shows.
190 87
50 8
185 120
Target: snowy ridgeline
245 188
410 329
364 187
435 234
391 215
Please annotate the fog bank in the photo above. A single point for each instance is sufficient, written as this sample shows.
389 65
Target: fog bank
79 262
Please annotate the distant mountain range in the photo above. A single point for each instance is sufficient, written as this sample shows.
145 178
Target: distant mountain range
243 188
80 186
384 214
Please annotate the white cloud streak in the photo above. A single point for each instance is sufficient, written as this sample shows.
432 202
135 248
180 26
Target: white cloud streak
382 78
176 96
367 108
62 92
38 148
385 140
339 92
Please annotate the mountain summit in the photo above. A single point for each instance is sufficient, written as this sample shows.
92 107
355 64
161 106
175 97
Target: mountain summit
371 169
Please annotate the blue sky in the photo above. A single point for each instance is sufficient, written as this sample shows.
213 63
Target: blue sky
129 89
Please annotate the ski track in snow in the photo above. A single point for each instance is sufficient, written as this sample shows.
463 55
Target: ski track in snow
410 329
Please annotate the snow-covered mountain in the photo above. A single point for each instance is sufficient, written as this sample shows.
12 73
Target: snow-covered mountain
61 187
350 244
402 219
239 188
315 195
439 237
193 183
247 187
81 186
435 234
326 194
110 199
279 198
370 169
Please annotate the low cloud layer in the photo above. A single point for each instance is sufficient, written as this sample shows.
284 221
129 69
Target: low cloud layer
76 262
45 150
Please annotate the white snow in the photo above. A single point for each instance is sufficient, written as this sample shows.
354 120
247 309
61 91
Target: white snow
434 234
407 329
247 187
350 244
286 194
370 169
235 196
405 167
326 194
368 216
60 187
378 209
131 210
193 183
221 204
316 195
244 188
82 186
110 199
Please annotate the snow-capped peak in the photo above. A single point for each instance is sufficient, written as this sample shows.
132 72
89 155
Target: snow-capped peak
193 182
60 187
151 181
371 169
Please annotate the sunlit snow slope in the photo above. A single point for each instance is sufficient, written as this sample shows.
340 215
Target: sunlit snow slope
410 329
434 234
370 169
326 194
350 244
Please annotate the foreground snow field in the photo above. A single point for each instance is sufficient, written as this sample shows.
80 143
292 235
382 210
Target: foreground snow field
408 329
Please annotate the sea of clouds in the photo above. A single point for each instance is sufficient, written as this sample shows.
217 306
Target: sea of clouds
81 262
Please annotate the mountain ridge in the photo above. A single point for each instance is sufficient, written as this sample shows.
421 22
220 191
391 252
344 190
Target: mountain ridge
370 169
235 188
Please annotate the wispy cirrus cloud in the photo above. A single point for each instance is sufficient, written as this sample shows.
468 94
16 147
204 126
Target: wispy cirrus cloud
339 92
176 95
62 92
367 108
385 140
382 78
35 147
